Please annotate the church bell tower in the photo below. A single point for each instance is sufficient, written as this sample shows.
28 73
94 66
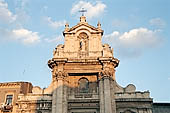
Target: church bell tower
83 72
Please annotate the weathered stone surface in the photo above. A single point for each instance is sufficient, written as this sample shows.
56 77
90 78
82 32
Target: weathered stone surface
83 80
161 108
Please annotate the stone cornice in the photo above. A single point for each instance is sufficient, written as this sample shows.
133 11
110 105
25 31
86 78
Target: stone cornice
55 61
134 100
96 59
9 84
113 60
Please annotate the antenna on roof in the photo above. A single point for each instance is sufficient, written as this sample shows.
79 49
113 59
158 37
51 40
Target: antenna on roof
82 11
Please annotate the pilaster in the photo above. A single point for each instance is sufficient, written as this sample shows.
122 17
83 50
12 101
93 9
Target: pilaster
101 94
106 88
107 96
54 97
59 103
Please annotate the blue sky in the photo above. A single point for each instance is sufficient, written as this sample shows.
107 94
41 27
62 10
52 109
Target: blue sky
137 30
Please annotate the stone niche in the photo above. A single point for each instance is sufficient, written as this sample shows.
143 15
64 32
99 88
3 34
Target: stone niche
83 83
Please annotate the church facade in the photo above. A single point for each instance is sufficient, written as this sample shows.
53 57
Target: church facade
83 80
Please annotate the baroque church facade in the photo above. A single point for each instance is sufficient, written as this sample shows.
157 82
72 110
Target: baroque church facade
83 81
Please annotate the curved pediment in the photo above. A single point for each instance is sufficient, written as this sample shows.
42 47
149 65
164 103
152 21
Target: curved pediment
83 25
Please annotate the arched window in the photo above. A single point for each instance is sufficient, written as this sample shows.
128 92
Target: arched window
9 99
83 85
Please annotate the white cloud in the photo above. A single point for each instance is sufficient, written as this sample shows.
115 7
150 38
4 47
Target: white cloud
26 36
6 16
133 42
54 24
93 10
141 37
22 35
57 39
112 35
169 78
158 22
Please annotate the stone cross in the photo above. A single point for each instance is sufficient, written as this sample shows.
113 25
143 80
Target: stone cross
82 11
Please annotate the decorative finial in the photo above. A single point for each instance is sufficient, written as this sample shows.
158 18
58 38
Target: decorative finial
99 25
82 11
66 26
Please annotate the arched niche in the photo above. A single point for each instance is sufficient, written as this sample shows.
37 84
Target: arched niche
83 42
83 85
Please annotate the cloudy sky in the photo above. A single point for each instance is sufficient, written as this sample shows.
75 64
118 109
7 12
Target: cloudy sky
137 30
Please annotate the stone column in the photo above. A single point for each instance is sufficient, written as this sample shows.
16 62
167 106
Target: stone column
107 96
112 89
54 97
59 103
101 95
65 95
107 87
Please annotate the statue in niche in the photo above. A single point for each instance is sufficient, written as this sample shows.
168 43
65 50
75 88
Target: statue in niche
83 43
83 85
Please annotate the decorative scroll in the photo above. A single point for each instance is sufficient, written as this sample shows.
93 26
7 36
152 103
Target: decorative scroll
51 64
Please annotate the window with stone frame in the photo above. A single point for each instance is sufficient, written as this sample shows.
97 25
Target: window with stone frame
83 85
9 99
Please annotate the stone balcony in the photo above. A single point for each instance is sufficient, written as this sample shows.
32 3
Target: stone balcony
6 108
136 94
83 96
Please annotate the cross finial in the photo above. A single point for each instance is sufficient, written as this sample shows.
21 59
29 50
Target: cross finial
83 11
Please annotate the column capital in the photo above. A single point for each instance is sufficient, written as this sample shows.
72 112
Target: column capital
61 75
106 74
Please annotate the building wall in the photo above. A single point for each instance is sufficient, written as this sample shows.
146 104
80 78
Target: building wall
161 107
14 89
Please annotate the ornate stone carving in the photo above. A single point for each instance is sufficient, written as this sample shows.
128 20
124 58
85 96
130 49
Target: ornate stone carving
106 73
24 106
61 75
51 64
